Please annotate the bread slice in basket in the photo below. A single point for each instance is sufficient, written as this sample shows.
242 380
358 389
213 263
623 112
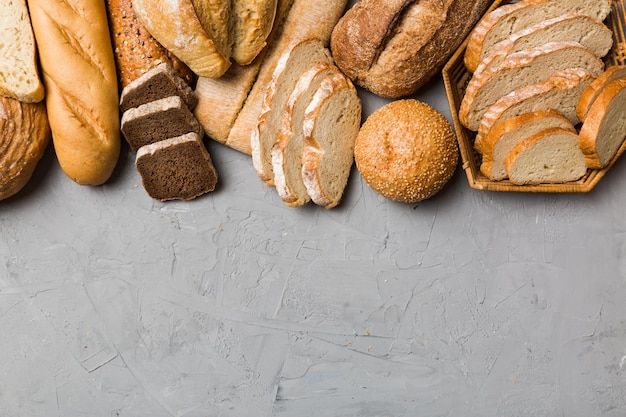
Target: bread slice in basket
596 87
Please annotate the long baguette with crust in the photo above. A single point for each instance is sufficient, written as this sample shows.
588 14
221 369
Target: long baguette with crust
81 82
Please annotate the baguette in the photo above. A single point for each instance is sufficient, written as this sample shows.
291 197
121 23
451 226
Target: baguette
80 78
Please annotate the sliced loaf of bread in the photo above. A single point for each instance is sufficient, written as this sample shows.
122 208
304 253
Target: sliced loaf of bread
550 156
595 88
604 129
505 135
561 92
288 148
505 20
520 69
331 124
292 64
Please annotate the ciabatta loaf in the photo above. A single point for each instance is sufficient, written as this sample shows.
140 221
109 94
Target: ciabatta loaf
251 26
19 72
505 20
604 129
294 62
505 135
550 156
595 88
330 127
520 69
81 82
561 92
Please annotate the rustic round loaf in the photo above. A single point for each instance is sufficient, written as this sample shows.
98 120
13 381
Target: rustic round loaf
406 151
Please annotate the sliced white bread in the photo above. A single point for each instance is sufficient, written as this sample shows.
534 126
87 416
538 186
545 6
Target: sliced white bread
505 135
604 129
520 69
331 124
252 23
561 92
505 20
550 156
291 65
19 76
580 28
288 148
595 88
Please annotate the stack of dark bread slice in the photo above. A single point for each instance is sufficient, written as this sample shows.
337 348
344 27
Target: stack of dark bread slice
158 123
532 62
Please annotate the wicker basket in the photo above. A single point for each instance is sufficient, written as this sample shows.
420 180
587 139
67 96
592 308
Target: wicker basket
456 77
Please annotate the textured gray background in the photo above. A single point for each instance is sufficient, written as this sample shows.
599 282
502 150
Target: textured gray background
468 304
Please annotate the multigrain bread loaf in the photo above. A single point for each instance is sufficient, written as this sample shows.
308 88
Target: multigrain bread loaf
251 26
505 20
549 156
595 88
330 128
505 135
604 129
292 64
175 25
522 68
562 92
19 72
81 82
158 120
287 151
178 168
406 151
392 48
24 136
136 51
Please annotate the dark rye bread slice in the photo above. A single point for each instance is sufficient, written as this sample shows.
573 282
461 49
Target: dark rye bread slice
158 120
178 168
160 82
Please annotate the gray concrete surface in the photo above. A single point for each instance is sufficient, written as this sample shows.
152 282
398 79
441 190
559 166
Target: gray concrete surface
468 304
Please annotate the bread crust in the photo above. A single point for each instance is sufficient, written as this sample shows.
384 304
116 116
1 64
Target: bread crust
595 88
215 18
253 22
82 93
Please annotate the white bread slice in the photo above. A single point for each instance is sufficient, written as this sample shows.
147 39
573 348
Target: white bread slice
19 76
508 19
251 25
505 135
287 150
292 64
580 28
561 92
604 129
596 87
331 125
523 68
550 156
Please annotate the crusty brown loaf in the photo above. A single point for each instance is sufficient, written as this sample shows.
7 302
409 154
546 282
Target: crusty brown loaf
24 136
81 82
252 24
403 44
136 51
406 151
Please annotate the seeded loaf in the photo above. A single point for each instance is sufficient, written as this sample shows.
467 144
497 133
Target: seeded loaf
19 71
24 136
215 18
604 129
292 64
505 135
330 128
561 92
178 168
523 68
252 24
595 88
158 120
136 51
550 156
505 20
287 150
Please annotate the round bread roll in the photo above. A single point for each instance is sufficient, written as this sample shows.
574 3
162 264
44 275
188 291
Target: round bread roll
406 151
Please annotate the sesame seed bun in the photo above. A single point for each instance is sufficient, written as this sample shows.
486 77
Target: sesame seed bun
406 151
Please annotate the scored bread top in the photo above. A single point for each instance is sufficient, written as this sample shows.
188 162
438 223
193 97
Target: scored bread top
251 26
215 18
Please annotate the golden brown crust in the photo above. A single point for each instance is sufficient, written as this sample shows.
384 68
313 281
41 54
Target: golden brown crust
24 136
253 22
593 90
136 51
406 151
